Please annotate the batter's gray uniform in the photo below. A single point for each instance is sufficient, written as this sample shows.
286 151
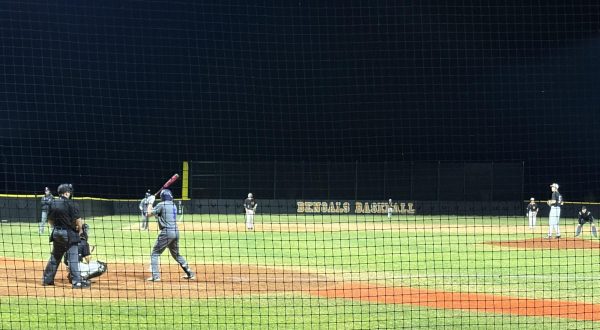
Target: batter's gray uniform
166 214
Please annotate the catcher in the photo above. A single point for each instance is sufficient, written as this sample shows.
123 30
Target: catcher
87 267
586 216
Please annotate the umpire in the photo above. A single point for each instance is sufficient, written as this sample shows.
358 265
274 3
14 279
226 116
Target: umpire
67 226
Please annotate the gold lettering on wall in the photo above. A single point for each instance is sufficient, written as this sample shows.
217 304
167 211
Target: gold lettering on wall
339 207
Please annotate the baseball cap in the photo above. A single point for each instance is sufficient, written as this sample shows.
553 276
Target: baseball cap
555 185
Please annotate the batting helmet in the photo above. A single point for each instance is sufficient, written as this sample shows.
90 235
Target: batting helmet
166 195
250 195
65 187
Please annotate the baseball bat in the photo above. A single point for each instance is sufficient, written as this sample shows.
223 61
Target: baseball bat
167 184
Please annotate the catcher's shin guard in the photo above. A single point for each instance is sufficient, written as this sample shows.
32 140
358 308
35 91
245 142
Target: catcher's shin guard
102 268
594 232
578 230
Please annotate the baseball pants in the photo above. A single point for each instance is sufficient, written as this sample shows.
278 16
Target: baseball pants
249 219
553 220
43 222
144 223
60 246
167 238
532 219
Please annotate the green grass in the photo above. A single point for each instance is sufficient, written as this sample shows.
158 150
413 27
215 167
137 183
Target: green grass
257 312
447 260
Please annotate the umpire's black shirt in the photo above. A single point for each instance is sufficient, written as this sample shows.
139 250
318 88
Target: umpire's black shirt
63 213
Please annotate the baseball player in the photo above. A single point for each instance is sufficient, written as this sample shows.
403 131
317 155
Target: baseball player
532 210
46 201
166 215
390 209
87 267
67 225
250 208
143 209
555 203
586 216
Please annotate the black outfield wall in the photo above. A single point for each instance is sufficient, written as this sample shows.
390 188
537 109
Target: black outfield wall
28 209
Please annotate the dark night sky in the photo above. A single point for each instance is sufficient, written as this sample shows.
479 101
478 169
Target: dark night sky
112 95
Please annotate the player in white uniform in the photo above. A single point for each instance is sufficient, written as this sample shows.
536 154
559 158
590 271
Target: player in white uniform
532 211
390 209
250 208
554 217
144 211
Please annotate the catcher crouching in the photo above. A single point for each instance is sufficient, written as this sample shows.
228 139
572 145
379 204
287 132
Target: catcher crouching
88 268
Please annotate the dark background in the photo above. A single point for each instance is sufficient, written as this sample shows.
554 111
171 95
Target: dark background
113 95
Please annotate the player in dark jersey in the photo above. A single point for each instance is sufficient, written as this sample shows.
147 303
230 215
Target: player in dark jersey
250 208
555 203
585 216
532 210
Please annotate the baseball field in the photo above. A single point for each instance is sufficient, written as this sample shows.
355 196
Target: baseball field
313 272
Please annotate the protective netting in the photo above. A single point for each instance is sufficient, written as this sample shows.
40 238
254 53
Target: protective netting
391 149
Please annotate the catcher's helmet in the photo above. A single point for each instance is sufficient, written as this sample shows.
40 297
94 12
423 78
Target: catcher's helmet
65 187
166 195
85 232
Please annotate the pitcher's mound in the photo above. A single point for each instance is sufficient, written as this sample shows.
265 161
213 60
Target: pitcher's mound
542 243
